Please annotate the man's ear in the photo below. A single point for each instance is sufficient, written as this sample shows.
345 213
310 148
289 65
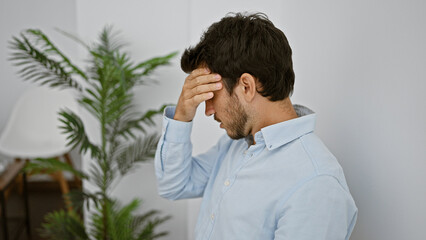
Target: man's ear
247 87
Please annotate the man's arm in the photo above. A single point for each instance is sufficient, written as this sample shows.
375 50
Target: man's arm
320 209
180 175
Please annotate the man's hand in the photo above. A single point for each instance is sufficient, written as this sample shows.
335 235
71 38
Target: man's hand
198 87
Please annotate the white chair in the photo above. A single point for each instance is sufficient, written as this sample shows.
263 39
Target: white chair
32 129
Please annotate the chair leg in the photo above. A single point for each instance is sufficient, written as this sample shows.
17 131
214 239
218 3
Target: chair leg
19 181
77 180
62 182
64 187
59 176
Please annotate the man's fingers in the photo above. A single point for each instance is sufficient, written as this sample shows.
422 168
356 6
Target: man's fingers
203 79
197 99
200 89
198 72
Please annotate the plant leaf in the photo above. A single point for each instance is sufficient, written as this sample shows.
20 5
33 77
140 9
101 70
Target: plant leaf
52 165
38 66
74 128
141 150
129 124
149 65
63 225
78 198
40 36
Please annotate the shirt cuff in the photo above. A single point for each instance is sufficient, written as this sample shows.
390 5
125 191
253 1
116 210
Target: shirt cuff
175 131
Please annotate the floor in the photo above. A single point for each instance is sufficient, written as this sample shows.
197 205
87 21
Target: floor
44 197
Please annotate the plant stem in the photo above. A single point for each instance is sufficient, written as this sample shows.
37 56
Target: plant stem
103 163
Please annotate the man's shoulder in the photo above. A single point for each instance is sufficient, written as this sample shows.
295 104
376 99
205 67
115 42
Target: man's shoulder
318 152
323 161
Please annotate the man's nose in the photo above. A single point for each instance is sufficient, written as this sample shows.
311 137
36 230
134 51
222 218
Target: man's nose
209 108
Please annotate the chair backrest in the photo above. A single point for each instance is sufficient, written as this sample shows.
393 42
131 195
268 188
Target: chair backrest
33 126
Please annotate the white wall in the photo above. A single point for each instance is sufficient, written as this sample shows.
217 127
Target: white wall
17 15
360 65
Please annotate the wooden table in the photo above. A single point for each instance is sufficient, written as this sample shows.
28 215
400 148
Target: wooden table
7 179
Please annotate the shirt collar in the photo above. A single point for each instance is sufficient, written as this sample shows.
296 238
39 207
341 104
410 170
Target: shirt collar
282 133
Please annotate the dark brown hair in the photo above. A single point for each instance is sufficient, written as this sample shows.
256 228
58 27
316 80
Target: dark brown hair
241 43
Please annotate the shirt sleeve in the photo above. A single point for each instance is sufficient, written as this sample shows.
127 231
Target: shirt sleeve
319 209
179 175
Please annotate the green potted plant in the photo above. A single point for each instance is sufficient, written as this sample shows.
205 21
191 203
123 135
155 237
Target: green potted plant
105 90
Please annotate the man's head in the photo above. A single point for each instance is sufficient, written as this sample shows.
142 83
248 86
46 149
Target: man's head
239 44
253 58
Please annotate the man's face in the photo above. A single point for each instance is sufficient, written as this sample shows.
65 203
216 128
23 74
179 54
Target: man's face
229 112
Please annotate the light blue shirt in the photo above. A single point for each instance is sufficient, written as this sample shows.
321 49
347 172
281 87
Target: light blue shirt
286 186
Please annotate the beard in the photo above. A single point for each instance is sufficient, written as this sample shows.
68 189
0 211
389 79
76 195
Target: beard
237 119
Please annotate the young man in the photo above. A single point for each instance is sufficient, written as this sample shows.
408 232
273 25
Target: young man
270 176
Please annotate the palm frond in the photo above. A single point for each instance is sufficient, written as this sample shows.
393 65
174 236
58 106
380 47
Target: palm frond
117 104
120 219
80 198
74 128
141 150
111 98
102 174
52 165
73 37
148 66
147 117
124 225
63 225
148 230
129 124
141 222
98 229
49 47
38 61
96 174
109 41
91 105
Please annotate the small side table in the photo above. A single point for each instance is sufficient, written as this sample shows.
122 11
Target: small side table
6 179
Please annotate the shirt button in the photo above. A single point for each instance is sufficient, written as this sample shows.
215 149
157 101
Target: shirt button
227 182
212 216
